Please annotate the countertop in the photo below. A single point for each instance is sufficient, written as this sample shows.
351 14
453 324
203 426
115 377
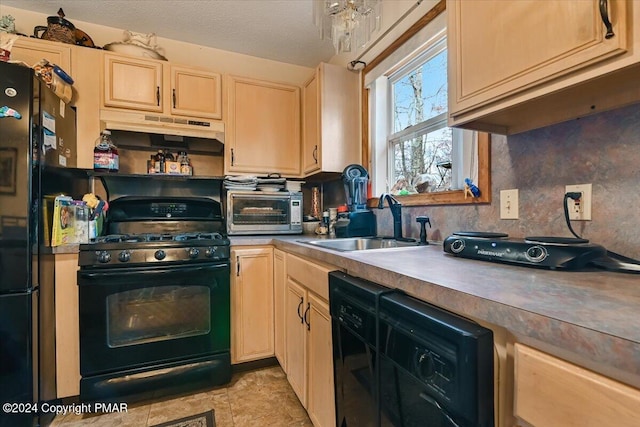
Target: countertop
587 317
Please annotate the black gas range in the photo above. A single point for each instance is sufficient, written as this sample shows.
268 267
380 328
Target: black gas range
538 251
154 291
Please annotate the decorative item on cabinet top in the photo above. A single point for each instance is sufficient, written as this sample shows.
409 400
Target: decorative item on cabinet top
61 30
137 44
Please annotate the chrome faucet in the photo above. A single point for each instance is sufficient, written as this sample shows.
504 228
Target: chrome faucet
396 211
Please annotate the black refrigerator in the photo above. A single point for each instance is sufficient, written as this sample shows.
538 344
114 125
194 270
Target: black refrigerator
37 136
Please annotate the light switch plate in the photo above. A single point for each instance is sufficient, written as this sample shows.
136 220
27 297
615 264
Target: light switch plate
509 204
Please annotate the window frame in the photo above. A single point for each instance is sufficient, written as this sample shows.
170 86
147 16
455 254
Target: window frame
453 197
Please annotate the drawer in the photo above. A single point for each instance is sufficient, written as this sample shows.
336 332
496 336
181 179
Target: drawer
552 392
314 276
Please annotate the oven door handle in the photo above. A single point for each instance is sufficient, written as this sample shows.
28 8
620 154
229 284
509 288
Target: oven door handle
152 270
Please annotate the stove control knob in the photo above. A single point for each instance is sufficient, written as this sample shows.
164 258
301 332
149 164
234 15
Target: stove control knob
536 253
210 252
103 257
160 255
457 246
124 256
193 253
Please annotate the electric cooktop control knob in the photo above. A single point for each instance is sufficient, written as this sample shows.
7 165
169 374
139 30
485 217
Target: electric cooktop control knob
103 257
210 252
193 253
160 255
536 253
124 256
457 246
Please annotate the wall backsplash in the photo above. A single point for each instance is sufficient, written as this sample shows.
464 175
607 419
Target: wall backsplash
603 149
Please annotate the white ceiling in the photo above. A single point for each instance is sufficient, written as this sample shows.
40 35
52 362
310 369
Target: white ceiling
281 30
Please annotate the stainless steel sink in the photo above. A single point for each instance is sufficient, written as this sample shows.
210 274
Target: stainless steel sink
360 243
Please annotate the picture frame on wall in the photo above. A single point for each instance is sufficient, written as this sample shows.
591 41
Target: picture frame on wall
8 161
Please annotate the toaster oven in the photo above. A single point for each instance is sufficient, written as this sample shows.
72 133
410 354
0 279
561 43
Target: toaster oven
262 212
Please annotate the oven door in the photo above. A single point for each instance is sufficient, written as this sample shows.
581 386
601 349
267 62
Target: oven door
146 316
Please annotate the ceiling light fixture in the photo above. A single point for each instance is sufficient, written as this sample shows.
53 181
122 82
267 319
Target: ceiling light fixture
347 23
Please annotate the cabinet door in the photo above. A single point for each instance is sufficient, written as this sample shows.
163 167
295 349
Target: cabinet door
311 126
67 326
251 304
330 120
320 399
279 295
263 127
132 83
84 63
32 51
295 341
497 49
195 93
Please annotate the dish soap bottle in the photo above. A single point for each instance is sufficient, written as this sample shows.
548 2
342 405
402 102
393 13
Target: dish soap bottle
105 154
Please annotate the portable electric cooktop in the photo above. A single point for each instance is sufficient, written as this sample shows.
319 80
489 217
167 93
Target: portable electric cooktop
545 252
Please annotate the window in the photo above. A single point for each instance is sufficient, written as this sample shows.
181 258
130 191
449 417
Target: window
411 150
420 143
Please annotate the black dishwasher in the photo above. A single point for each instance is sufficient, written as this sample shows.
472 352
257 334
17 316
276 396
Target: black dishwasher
353 304
401 362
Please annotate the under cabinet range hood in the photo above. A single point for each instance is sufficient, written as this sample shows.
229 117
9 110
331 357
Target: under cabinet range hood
142 122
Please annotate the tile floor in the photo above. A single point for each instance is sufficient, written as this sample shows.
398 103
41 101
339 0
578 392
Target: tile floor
255 398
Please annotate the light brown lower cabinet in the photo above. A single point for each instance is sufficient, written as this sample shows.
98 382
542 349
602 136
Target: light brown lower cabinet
296 339
320 393
552 392
279 294
59 301
251 303
308 349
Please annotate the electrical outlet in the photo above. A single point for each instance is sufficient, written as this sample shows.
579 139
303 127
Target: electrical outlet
579 210
509 204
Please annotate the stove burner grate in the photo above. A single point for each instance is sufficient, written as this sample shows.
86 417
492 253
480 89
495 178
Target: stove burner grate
157 237
119 238
198 236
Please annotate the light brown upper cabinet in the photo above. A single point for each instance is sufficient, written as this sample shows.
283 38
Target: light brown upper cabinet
263 127
516 66
330 120
161 87
195 93
31 51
